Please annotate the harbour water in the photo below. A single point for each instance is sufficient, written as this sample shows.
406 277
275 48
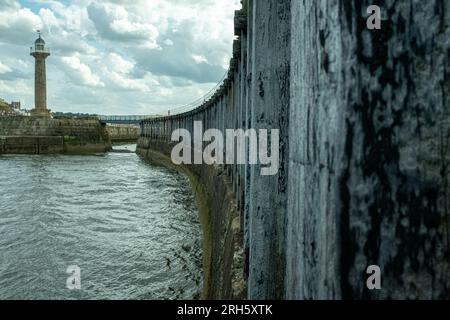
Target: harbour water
131 227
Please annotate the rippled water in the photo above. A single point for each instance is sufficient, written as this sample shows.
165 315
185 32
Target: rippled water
131 227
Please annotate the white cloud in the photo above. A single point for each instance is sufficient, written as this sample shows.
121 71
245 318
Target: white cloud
4 68
81 72
168 42
6 87
199 59
16 26
119 64
9 4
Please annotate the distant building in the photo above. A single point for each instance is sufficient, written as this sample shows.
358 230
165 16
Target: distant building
15 105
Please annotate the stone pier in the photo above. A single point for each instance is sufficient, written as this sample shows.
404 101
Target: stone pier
41 135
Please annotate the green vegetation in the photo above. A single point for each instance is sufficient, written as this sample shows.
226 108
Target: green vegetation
70 138
5 108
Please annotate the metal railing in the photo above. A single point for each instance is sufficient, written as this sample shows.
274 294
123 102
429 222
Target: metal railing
197 103
34 50
123 118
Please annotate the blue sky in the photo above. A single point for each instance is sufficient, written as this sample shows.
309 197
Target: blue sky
35 6
116 56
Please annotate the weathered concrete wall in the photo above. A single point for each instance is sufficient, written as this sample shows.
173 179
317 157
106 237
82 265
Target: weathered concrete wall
31 145
369 150
123 133
269 94
79 136
364 147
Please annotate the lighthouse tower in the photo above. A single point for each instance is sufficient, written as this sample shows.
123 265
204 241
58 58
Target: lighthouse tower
40 53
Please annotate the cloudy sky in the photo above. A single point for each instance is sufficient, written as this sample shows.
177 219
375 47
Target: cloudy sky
116 56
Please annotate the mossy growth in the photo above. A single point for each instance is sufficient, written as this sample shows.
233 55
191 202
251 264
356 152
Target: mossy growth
71 138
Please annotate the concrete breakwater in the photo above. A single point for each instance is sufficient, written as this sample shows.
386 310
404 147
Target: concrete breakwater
31 135
31 145
364 144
